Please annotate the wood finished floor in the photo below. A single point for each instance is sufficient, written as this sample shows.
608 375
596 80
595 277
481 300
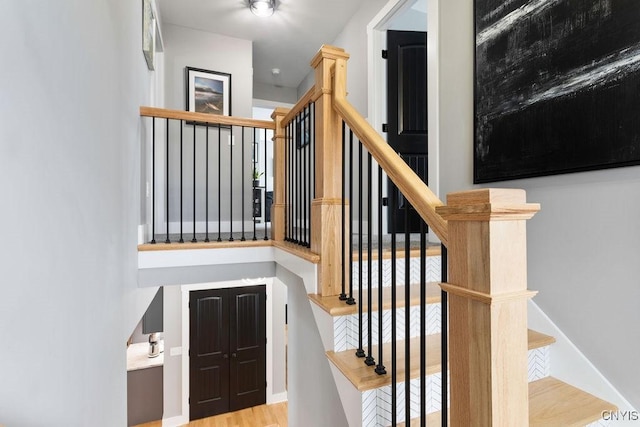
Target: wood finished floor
259 416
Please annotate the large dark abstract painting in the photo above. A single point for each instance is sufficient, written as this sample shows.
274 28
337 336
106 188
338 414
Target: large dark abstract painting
557 87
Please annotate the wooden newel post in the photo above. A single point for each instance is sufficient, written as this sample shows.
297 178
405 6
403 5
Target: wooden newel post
278 206
488 306
326 207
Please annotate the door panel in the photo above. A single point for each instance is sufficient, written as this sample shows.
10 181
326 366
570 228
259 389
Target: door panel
227 350
248 312
407 115
209 353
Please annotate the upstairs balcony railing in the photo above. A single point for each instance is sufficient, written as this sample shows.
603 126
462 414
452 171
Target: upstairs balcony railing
209 177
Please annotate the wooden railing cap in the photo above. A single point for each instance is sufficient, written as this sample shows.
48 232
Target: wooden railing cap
328 52
280 111
488 204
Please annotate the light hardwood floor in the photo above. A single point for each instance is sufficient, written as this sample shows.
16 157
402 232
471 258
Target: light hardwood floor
259 416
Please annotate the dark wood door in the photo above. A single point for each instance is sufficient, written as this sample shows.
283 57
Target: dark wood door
248 347
406 116
227 358
208 353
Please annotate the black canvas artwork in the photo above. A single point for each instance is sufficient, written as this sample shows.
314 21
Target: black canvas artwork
557 87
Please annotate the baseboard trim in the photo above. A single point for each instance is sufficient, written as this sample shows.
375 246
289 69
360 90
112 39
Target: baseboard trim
178 421
277 398
569 364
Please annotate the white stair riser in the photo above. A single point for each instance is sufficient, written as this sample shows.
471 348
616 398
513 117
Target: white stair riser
346 327
432 269
379 414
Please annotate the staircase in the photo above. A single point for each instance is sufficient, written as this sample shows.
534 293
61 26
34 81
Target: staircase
319 182
366 395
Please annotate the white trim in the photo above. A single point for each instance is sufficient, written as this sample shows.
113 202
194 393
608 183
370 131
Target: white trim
185 289
201 226
142 233
569 364
433 101
277 398
177 421
193 257
377 100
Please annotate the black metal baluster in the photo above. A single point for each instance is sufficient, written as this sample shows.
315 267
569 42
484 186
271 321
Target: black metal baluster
350 299
312 137
206 191
304 143
153 181
266 180
181 177
194 240
423 323
370 361
299 182
407 314
231 183
288 179
394 373
360 352
254 154
380 368
242 199
343 295
219 184
444 326
167 240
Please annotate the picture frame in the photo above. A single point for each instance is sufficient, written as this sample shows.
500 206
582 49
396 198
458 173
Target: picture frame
207 91
552 96
148 34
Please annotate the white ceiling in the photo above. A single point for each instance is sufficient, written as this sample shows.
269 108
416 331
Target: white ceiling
287 40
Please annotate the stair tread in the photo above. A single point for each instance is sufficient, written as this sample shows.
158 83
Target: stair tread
335 307
364 378
552 403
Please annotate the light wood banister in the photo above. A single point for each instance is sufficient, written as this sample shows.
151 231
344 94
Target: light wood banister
205 118
307 98
411 186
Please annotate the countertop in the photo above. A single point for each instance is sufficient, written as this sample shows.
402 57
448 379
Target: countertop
138 356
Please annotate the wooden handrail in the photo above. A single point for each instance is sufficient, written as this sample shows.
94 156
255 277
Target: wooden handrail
411 186
205 118
307 98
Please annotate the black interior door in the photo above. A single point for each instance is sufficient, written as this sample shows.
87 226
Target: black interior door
247 340
208 353
406 116
227 358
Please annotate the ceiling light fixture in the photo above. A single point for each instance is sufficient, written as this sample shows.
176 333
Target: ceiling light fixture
262 7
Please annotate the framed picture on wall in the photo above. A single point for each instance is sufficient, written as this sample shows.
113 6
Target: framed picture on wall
208 91
556 87
148 34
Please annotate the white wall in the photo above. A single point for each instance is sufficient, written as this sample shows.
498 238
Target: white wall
313 396
353 39
286 95
584 244
185 47
73 76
